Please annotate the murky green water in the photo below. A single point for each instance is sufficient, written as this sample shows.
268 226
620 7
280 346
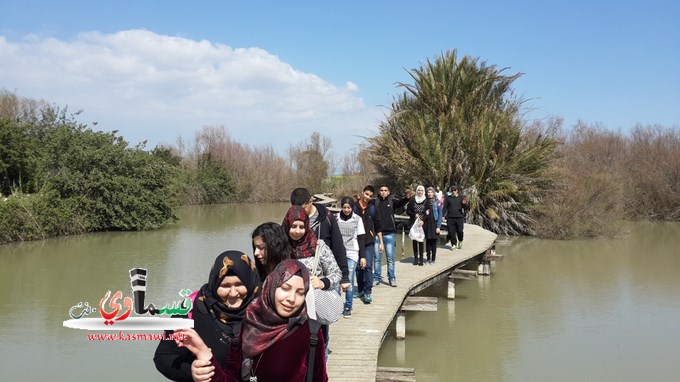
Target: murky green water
585 310
552 311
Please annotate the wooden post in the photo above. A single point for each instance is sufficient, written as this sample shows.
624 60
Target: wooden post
459 274
484 268
451 294
401 326
413 304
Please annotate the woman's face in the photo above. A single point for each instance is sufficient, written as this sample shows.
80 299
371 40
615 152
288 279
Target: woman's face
420 192
232 291
346 209
297 230
290 296
260 251
430 194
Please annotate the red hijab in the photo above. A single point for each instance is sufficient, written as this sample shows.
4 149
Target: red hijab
262 326
306 245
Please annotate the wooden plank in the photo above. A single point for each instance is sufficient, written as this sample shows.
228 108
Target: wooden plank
419 304
493 257
324 199
463 274
395 374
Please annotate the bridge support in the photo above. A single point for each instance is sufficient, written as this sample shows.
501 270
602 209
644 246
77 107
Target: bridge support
459 274
484 267
413 304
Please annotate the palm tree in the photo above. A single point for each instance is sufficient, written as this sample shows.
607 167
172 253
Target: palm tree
459 123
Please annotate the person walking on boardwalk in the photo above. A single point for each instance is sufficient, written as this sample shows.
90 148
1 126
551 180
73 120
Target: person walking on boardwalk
325 228
433 222
352 230
386 229
454 210
418 208
270 247
365 207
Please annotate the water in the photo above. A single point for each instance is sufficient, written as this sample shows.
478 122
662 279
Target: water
594 310
552 310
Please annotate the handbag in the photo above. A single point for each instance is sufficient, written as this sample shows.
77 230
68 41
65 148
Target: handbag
323 305
416 232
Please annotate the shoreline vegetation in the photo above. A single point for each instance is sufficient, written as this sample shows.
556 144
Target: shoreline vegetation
60 177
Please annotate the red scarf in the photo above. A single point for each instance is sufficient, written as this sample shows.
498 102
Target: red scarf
306 245
262 326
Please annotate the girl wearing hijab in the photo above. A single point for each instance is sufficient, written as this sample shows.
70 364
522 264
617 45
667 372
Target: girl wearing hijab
270 247
218 310
275 338
352 230
304 243
418 207
433 222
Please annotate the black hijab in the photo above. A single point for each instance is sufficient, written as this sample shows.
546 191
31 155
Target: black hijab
343 201
229 263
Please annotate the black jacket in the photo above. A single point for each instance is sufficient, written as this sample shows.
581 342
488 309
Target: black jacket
368 216
384 219
454 207
175 362
326 228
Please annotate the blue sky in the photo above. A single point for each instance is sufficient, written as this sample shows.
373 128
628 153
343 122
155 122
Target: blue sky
272 72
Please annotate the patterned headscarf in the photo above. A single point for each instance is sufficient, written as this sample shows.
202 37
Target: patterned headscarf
229 263
306 245
262 325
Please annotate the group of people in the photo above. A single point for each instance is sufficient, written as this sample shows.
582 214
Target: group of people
250 318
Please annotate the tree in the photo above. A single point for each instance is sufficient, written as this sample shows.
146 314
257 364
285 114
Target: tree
116 187
311 161
459 123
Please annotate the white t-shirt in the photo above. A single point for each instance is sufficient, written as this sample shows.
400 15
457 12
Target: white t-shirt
350 230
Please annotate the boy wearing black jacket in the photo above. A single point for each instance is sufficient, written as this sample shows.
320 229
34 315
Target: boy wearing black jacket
386 229
455 208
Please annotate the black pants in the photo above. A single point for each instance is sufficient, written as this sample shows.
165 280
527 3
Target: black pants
431 248
418 249
455 225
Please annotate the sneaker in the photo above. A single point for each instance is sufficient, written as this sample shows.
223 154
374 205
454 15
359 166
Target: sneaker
367 299
359 295
376 282
347 313
393 284
460 245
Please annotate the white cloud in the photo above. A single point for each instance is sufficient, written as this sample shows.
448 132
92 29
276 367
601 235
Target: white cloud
156 88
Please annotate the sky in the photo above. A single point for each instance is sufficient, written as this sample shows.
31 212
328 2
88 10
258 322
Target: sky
273 72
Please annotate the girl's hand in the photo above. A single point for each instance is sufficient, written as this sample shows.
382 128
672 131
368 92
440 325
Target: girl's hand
202 370
188 338
316 282
362 263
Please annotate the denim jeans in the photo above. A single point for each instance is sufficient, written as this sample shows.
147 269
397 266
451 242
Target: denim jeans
389 241
349 293
365 276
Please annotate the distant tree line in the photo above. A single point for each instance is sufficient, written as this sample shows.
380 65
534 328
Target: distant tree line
458 122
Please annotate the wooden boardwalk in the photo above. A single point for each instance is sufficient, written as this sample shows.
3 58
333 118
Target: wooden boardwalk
355 342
